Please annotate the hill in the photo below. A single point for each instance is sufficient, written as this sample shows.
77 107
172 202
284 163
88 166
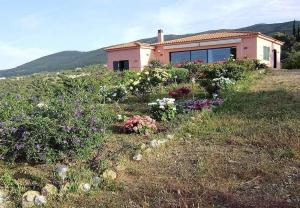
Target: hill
72 59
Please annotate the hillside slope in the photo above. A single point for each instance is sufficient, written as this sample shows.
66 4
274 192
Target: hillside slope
72 59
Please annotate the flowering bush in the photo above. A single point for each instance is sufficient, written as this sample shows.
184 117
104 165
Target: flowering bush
163 109
178 75
203 103
117 93
140 125
179 93
146 80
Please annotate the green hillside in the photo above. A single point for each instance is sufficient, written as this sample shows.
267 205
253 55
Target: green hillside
73 59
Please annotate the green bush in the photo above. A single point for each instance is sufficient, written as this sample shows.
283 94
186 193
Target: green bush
292 61
63 122
179 75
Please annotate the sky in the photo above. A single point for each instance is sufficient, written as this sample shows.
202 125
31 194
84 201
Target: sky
34 28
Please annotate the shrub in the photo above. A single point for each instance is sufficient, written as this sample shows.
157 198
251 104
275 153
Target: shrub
147 80
155 64
117 93
163 109
179 75
180 92
65 122
292 61
140 125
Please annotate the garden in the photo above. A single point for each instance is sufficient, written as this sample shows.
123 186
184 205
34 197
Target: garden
68 134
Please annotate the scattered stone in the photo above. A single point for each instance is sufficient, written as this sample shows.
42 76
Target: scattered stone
40 200
170 136
137 157
109 175
96 181
49 190
28 198
3 196
85 187
154 143
62 171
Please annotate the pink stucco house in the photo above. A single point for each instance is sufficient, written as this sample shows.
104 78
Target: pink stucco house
207 48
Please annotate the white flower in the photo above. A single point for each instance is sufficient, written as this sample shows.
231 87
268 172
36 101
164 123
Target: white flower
41 105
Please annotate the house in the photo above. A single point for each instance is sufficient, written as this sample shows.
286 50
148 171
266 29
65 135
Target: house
206 48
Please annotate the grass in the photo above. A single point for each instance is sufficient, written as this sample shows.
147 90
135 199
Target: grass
245 154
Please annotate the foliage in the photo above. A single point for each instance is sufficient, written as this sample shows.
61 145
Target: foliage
178 75
203 103
292 61
163 109
63 121
155 64
179 93
140 125
117 93
147 80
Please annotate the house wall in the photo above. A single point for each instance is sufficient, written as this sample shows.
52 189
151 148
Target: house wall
146 56
132 55
261 42
245 48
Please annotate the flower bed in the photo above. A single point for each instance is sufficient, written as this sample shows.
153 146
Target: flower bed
179 93
203 103
140 125
163 109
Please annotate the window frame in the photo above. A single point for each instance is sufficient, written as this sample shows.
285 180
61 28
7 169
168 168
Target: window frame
266 57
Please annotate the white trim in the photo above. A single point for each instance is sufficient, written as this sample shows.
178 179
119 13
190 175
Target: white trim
206 43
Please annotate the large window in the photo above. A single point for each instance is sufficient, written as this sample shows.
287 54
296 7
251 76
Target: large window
199 56
205 56
180 57
266 53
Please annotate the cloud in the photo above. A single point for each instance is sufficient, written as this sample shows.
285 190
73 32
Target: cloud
11 56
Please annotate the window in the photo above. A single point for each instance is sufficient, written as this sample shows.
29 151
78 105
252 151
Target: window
121 65
205 56
218 54
180 57
266 53
199 56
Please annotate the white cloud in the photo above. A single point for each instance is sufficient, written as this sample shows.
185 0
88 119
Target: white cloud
11 56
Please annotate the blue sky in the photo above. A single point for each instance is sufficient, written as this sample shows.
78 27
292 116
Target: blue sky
34 28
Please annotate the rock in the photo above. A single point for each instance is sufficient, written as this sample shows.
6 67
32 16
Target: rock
154 143
109 175
49 190
85 187
170 136
40 200
28 198
62 171
137 157
96 181
3 196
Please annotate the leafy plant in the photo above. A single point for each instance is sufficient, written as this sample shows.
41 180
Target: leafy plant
140 125
163 109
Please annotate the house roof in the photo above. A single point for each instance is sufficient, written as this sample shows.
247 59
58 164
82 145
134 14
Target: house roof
210 36
217 35
129 45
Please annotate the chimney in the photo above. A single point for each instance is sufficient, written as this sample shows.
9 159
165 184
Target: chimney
160 36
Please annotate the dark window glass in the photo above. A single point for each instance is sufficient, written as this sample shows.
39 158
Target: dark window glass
233 52
218 54
116 65
199 56
180 57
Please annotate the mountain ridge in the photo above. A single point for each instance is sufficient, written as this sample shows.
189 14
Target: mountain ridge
72 59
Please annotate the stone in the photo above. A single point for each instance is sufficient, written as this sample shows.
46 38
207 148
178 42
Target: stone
96 181
40 200
170 136
28 198
3 196
62 171
137 157
109 175
49 190
86 187
154 143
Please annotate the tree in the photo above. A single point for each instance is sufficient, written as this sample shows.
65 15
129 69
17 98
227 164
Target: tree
294 28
